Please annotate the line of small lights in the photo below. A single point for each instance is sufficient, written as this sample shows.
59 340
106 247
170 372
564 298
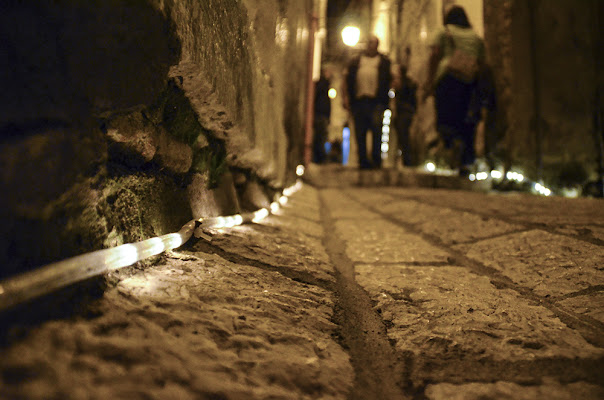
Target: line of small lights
49 278
497 175
386 133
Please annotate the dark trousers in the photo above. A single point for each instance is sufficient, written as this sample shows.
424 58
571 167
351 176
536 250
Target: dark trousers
321 123
368 115
452 105
403 123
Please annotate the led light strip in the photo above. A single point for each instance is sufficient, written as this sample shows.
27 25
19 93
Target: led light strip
496 174
52 277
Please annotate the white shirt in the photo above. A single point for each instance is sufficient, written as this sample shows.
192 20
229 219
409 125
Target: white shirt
367 76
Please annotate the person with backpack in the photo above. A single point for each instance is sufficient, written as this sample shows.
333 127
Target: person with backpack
457 54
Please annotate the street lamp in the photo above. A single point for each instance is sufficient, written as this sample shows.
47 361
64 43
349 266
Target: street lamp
351 35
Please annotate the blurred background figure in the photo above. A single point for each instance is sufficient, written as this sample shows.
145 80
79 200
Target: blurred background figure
483 112
321 118
368 81
457 54
406 105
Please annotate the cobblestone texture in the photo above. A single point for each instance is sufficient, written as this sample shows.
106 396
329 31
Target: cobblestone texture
477 297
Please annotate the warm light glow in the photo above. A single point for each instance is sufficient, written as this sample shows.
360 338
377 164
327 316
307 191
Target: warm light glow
431 167
481 176
229 222
423 30
385 147
260 215
542 189
496 174
281 32
514 176
121 256
172 240
472 177
274 207
385 129
351 35
572 193
391 93
283 200
300 170
153 246
387 113
332 93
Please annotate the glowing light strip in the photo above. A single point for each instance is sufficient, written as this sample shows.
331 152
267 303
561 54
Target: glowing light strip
495 174
57 275
255 217
52 277
385 138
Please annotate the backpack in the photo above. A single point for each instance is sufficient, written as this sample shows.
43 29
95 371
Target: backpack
462 65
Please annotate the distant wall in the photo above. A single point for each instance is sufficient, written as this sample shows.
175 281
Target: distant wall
121 120
554 81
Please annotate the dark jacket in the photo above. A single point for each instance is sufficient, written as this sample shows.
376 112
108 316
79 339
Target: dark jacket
406 100
322 100
383 80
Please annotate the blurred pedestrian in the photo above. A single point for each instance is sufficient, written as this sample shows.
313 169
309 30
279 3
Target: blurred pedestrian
457 54
368 79
406 105
321 117
483 111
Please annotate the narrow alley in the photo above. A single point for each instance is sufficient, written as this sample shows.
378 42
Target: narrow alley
301 200
346 293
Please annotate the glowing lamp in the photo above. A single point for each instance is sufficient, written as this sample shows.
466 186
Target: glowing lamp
351 35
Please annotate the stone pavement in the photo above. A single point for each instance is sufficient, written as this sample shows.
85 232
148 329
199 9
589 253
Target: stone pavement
348 292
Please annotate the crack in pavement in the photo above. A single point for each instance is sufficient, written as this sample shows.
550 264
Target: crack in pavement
379 373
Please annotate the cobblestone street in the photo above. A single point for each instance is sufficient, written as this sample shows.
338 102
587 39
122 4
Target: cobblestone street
346 293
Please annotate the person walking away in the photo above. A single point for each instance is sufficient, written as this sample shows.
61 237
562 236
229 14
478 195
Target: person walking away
457 54
321 118
368 80
483 110
406 105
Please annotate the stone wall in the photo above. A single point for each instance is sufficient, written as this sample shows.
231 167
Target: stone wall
122 120
553 69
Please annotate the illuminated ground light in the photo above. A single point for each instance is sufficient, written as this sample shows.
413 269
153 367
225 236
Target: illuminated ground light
260 215
386 133
571 192
430 167
481 176
496 174
300 170
332 93
542 189
514 176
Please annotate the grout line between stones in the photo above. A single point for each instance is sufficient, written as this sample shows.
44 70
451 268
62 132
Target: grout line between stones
528 225
592 330
379 373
